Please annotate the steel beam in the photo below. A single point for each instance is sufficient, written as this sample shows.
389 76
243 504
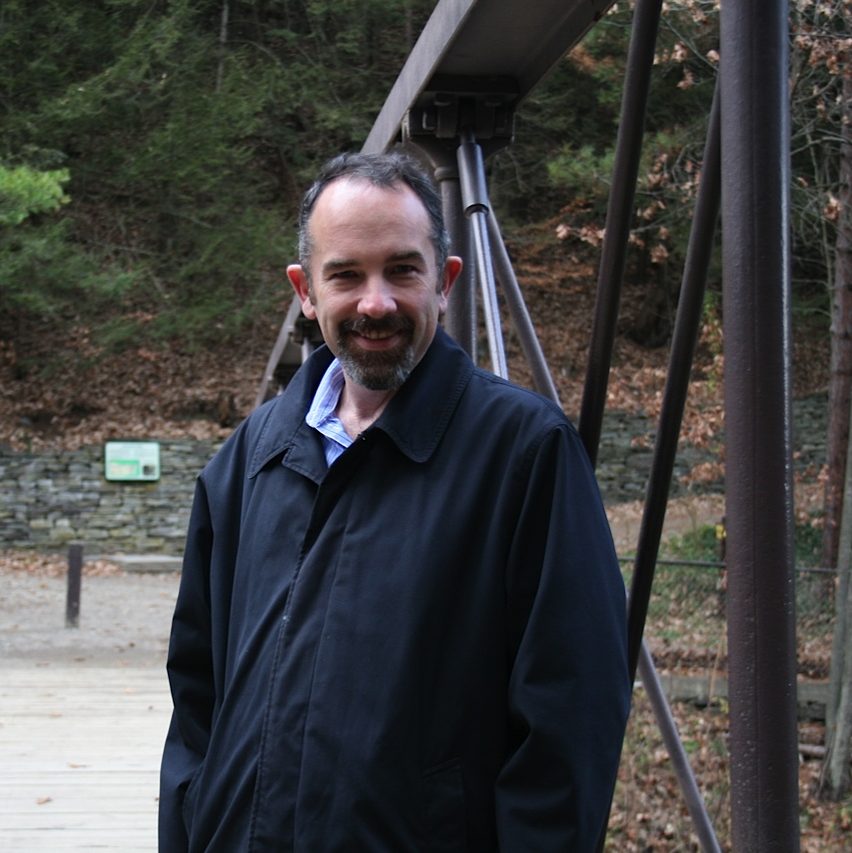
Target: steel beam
483 40
619 214
681 355
755 134
519 314
477 208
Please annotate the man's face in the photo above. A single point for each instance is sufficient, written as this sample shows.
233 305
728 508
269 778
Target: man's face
374 286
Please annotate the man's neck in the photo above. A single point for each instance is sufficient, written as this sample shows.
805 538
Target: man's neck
359 407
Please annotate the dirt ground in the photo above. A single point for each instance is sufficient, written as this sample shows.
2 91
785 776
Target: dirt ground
125 617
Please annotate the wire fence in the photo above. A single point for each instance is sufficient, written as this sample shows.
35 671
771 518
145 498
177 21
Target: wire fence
686 623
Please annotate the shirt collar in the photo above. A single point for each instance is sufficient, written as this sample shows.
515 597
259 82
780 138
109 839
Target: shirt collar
327 396
322 413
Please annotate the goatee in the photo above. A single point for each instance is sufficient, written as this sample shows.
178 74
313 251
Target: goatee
377 370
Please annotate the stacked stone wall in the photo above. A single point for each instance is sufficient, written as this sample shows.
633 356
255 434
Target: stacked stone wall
50 499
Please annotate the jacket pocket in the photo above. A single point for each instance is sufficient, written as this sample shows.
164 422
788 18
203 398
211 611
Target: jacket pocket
446 820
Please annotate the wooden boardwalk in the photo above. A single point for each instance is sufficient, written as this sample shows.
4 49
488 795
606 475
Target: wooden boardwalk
79 757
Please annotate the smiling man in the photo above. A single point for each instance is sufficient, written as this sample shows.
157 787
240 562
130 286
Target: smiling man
400 625
375 275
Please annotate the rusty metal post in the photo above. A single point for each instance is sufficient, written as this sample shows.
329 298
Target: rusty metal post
628 150
684 339
75 575
756 302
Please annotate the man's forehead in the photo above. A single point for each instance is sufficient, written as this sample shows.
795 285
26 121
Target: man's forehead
358 209
343 191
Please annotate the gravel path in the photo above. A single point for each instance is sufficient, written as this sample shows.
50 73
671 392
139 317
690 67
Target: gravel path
125 617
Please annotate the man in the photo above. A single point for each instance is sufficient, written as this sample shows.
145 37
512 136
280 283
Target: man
400 625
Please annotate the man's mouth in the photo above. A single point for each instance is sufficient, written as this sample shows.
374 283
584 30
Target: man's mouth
376 335
379 332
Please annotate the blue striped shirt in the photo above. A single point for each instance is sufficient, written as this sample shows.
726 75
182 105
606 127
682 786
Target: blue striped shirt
321 414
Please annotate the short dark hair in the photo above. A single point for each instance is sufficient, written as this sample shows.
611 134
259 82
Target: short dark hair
381 170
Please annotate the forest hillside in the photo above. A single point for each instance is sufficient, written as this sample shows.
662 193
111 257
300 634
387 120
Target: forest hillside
153 155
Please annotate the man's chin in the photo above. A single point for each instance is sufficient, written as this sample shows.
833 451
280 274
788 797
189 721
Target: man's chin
378 371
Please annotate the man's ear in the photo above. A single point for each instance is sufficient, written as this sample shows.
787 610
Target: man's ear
299 279
452 268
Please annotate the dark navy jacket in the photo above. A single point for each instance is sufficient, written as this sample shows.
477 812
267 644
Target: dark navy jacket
421 648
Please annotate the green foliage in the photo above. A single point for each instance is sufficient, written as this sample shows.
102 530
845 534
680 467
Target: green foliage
567 128
43 273
819 53
702 543
25 191
188 145
585 171
184 145
562 163
808 544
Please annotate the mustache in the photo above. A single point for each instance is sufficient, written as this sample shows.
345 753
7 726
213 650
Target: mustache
390 324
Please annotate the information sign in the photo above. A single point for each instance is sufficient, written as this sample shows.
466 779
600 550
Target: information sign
132 461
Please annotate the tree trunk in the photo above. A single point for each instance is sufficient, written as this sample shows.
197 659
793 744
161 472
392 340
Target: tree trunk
223 42
840 387
834 779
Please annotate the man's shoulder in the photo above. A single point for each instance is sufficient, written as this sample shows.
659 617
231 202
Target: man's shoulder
501 399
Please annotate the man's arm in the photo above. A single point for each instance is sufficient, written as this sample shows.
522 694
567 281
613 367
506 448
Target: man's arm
569 690
190 676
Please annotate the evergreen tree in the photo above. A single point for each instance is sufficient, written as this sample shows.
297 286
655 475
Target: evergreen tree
189 130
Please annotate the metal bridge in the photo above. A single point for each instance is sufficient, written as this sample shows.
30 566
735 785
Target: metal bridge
454 101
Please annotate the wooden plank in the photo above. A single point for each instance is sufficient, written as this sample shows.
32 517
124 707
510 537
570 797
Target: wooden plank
80 750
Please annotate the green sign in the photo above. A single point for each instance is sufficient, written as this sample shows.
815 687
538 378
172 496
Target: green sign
132 461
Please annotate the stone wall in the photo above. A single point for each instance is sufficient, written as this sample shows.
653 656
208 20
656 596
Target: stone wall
50 499
624 464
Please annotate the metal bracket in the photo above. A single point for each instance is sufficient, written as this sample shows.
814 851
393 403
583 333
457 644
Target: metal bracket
453 106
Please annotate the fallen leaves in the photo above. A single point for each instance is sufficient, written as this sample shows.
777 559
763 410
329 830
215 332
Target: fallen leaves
52 565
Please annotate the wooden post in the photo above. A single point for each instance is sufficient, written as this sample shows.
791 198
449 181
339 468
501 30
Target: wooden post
75 574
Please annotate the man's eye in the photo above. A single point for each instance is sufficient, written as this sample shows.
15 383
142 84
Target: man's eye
404 269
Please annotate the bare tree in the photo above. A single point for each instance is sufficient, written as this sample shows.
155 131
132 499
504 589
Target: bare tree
223 41
833 51
835 781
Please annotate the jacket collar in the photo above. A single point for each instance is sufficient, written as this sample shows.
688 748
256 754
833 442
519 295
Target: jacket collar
415 419
417 416
286 415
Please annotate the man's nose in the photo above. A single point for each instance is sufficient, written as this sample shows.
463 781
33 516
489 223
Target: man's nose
376 298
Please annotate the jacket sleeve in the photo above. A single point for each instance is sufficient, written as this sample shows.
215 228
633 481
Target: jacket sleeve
569 690
190 673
